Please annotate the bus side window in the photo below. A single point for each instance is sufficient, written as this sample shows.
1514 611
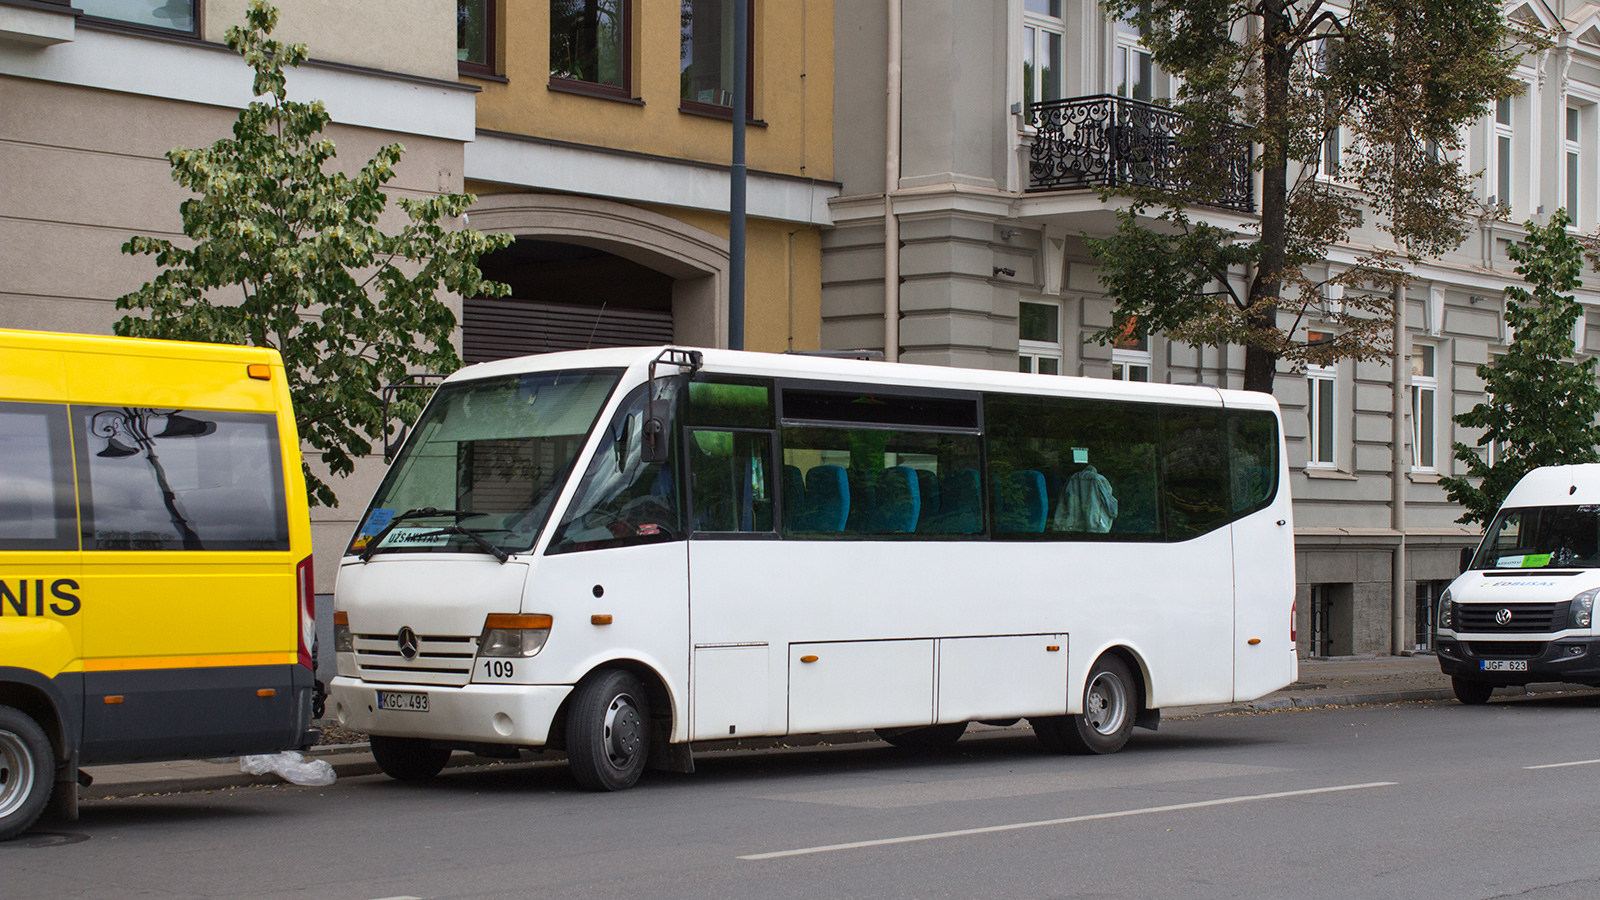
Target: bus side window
1194 457
729 485
36 507
1252 459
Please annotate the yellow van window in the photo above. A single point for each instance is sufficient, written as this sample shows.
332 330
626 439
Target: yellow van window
36 470
165 479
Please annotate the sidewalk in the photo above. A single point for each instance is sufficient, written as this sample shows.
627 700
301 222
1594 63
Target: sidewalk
1341 681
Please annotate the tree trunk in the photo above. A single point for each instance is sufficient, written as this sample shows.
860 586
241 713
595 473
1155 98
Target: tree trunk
1260 364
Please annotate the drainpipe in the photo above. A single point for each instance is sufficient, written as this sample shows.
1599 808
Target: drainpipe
1397 478
891 182
737 173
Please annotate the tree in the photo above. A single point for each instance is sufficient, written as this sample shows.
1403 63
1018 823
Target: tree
1541 403
287 253
1401 77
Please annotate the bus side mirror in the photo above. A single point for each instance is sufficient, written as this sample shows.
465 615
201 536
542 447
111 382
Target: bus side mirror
1466 558
656 434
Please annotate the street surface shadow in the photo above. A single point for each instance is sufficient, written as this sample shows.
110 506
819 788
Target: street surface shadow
99 816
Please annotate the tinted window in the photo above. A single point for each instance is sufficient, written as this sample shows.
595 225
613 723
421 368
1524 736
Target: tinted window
164 479
622 499
1537 537
36 474
730 485
1195 466
880 481
1093 461
1252 459
876 407
730 404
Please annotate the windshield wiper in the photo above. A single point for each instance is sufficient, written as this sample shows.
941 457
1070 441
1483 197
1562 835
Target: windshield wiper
425 512
473 535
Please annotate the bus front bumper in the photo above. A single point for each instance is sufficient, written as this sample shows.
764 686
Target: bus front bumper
1571 659
519 715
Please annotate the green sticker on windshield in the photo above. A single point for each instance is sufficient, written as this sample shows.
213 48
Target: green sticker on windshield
1535 560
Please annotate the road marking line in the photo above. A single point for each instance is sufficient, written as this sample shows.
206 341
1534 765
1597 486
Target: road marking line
991 829
1581 762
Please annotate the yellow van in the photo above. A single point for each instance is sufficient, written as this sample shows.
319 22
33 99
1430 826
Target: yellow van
155 560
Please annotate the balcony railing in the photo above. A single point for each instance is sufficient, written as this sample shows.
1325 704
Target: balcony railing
1114 142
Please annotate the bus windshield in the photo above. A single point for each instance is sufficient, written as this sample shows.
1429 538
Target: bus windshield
1537 537
490 456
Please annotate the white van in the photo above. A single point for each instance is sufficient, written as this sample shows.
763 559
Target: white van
1522 610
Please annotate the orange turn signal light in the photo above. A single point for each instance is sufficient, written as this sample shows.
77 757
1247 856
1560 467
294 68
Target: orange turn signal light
808 658
259 371
503 620
1052 648
341 618
1253 641
266 692
603 619
113 699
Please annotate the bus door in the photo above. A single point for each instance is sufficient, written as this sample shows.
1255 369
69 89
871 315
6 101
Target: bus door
1263 554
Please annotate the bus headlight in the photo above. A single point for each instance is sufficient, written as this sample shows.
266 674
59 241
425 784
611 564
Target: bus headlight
343 641
1447 617
513 636
1582 611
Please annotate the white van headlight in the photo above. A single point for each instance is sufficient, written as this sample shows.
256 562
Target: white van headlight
1447 616
513 636
1582 611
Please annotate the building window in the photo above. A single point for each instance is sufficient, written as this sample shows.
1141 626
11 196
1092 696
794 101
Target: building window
162 15
1039 327
1135 73
590 45
1042 37
1321 383
1130 355
1574 157
1501 155
705 57
1332 620
1424 406
1331 149
475 37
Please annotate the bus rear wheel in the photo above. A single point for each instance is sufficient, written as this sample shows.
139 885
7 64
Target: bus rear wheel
408 759
1107 717
1470 692
27 772
608 731
929 737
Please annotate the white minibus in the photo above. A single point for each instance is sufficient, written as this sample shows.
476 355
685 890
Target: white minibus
1522 610
620 552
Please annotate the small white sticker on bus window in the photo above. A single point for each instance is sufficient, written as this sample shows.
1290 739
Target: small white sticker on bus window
415 537
1080 454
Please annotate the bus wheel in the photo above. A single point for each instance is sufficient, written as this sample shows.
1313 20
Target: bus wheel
1469 692
408 759
27 772
608 731
1107 718
928 737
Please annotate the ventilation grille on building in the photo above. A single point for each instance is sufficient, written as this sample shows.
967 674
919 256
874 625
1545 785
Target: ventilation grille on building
497 329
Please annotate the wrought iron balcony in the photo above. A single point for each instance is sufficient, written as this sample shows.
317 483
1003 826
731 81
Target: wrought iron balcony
1112 142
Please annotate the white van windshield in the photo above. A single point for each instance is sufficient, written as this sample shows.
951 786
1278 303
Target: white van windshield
485 463
1538 537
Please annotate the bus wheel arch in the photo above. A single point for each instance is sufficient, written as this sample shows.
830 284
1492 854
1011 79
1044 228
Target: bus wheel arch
1113 699
38 706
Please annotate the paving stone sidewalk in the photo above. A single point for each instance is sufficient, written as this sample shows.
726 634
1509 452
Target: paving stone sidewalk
1340 681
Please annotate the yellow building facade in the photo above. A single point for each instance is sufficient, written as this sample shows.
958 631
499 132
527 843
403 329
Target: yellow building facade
604 135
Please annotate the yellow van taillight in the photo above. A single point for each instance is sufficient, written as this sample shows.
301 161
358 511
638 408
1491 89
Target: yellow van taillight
260 371
513 635
306 601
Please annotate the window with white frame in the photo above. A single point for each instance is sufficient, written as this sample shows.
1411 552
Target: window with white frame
1574 168
1134 72
1424 407
1321 391
1039 327
1500 153
1331 148
1130 355
1043 33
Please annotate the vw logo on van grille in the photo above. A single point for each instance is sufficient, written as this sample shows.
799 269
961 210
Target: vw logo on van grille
408 641
1502 617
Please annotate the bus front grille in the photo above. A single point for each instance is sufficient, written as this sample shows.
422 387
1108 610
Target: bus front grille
439 659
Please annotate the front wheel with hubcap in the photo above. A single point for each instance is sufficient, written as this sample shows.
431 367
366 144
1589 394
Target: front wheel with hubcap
408 759
1470 692
27 771
1107 717
608 731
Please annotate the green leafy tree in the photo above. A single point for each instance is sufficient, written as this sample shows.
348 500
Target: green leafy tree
1400 77
286 252
1541 403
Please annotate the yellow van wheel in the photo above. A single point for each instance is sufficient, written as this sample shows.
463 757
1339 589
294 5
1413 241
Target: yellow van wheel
27 772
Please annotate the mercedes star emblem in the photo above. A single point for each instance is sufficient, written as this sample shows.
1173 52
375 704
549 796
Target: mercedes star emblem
408 643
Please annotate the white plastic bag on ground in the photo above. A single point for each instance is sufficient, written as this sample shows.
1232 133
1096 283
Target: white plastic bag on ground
291 766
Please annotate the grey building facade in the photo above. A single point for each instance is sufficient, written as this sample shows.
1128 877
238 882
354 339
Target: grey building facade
938 108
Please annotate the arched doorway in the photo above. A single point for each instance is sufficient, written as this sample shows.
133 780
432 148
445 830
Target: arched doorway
565 297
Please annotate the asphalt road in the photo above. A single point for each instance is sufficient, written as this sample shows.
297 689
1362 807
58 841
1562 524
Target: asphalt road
1417 800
